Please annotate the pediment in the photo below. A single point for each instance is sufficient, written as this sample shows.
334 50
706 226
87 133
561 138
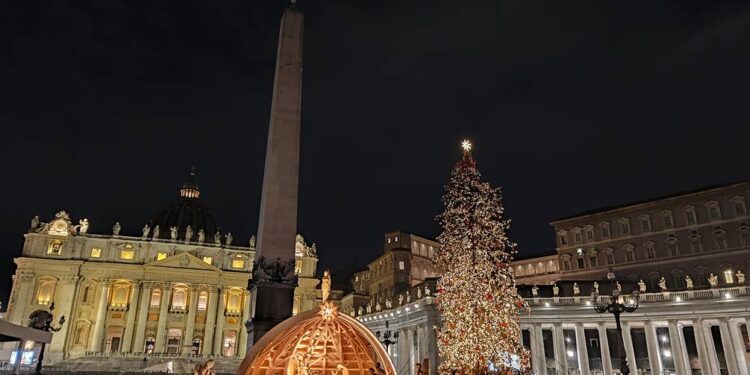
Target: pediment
183 261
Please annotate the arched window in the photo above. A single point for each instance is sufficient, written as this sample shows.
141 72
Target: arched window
565 262
714 211
45 291
179 298
202 301
629 253
593 258
674 248
678 279
610 254
155 298
650 250
605 230
720 239
234 301
120 295
696 242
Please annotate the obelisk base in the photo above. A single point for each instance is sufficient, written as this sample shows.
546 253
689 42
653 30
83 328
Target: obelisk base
273 305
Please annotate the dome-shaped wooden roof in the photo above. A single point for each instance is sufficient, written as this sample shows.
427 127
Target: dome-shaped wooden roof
318 342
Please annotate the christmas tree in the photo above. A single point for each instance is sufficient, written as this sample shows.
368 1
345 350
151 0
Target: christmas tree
477 293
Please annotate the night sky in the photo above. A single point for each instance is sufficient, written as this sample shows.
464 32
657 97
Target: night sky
572 105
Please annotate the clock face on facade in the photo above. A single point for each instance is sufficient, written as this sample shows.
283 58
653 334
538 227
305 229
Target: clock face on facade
59 227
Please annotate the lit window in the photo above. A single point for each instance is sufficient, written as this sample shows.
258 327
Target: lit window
127 254
202 301
161 255
728 277
120 295
45 292
238 263
179 298
389 240
208 260
579 251
155 298
233 301
401 265
96 252
55 247
395 239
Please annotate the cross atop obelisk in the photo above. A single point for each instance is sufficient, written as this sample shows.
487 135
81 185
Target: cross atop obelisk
277 226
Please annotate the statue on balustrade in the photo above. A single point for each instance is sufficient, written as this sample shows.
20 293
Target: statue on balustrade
146 229
689 282
663 284
173 233
555 290
34 223
369 308
641 286
388 304
201 236
188 233
740 277
618 286
408 297
116 229
155 232
400 299
252 242
535 291
596 287
217 238
576 290
228 239
427 290
377 306
359 311
419 293
713 280
83 226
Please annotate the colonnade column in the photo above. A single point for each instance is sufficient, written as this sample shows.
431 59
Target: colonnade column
139 343
738 343
432 323
627 341
161 326
187 345
653 351
127 339
243 344
539 361
561 361
726 342
101 314
604 345
582 349
208 332
705 340
220 318
678 350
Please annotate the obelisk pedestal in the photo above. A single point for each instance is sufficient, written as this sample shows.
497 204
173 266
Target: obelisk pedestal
273 282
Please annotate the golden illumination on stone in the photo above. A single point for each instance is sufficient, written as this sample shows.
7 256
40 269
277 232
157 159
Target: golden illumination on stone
318 342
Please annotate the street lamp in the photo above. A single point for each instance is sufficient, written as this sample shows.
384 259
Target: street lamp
617 305
43 321
386 341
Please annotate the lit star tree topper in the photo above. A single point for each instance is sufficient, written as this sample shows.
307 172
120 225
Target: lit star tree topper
477 293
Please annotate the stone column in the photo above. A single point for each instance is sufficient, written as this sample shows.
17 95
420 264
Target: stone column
208 333
678 351
627 340
127 339
705 339
729 352
187 343
65 293
161 326
700 344
243 344
652 347
432 349
23 291
139 343
739 345
541 362
220 319
561 360
604 345
582 349
101 314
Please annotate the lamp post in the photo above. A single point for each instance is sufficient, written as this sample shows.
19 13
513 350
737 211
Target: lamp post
43 321
386 341
616 306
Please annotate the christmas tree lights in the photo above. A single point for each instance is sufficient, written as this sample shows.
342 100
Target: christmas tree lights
477 293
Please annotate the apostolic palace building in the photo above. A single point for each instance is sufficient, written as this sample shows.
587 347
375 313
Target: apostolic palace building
179 288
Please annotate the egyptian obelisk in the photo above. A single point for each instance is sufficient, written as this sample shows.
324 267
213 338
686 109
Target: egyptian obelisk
273 283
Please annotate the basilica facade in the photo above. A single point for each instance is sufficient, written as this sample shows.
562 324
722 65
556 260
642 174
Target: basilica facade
178 288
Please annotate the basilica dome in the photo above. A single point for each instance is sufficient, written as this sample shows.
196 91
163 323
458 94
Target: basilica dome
186 210
318 341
